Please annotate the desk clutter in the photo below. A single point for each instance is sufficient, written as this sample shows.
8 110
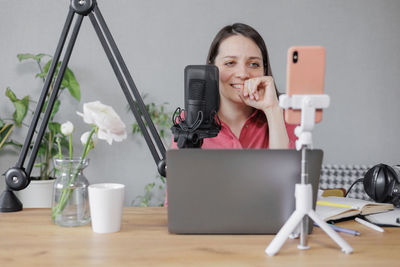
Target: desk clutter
343 176
335 180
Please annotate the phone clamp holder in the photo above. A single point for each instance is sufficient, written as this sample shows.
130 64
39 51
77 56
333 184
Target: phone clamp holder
308 104
303 192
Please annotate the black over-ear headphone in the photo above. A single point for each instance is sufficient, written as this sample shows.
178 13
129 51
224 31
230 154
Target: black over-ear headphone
382 184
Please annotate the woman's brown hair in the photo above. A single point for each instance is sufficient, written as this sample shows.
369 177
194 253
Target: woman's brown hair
247 31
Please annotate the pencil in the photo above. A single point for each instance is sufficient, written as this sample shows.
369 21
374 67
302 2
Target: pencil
370 225
342 229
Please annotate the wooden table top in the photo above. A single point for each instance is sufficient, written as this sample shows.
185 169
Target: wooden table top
30 238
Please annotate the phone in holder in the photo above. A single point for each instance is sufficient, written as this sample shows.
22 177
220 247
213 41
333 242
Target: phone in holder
305 75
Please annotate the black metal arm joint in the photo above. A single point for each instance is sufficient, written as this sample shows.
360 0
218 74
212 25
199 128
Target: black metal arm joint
83 7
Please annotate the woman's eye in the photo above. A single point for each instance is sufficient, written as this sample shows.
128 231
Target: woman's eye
254 65
229 63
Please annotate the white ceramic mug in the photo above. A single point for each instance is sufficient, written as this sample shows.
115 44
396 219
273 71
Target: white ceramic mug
106 202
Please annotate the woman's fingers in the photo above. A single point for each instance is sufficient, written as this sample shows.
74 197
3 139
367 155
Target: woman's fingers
246 87
252 87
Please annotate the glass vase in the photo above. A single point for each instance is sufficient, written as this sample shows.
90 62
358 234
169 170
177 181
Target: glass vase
70 198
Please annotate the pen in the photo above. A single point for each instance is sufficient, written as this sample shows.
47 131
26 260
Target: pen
342 230
370 225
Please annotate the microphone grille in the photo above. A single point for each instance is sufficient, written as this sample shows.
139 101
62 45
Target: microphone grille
196 89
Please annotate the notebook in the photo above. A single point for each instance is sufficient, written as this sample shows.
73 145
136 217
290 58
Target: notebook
389 218
335 208
234 191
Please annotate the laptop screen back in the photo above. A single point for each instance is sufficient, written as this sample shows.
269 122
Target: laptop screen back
234 191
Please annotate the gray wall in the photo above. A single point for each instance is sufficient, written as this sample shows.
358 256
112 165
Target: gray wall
159 38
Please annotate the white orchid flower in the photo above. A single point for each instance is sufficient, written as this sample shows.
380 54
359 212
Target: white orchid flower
67 128
111 127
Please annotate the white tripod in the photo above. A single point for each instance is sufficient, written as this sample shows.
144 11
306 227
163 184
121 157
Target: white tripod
303 193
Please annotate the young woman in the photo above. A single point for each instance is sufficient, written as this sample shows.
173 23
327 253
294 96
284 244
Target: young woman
249 111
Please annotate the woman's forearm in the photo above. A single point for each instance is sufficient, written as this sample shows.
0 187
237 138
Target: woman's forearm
278 137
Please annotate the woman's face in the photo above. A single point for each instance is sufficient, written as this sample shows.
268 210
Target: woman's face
238 60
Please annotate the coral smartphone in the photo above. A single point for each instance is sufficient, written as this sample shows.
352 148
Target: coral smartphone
305 75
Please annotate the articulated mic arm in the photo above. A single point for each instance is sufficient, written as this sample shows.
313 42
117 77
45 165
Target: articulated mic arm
18 177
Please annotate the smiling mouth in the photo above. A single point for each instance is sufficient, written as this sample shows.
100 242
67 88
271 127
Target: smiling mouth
237 86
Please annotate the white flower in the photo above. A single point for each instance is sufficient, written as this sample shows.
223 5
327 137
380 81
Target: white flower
85 136
67 128
111 127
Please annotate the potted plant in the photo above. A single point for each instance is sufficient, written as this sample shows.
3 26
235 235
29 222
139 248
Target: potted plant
39 192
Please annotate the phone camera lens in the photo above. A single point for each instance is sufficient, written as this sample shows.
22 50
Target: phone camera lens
295 57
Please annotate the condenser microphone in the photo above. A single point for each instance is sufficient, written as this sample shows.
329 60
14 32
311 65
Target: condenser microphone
199 119
196 101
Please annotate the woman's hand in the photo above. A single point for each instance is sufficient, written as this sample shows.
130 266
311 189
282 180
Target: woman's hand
260 93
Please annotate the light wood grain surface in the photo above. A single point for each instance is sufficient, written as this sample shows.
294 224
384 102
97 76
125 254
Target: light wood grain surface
30 238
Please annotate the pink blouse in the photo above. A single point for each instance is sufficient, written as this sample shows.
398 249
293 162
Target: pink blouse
254 134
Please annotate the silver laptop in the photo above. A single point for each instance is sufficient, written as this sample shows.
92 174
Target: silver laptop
234 191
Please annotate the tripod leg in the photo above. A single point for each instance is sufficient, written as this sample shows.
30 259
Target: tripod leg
284 233
346 248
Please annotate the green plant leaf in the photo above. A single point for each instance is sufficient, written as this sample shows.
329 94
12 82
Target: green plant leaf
41 150
38 57
69 81
44 106
11 95
21 106
38 165
135 128
47 67
149 186
46 70
162 179
20 112
26 56
1 124
54 127
159 116
56 107
25 102
41 75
